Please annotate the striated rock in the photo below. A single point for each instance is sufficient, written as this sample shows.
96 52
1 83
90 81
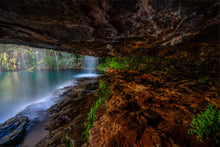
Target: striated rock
113 27
68 115
142 113
12 131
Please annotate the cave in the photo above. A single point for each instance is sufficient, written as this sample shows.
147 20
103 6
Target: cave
158 69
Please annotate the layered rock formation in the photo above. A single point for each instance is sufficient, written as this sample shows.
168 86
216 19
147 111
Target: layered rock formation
12 131
68 115
113 27
151 110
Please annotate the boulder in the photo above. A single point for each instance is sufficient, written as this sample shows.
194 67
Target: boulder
12 131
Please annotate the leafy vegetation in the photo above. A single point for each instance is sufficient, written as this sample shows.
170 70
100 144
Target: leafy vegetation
14 57
69 143
112 63
135 63
9 61
103 91
206 124
156 63
202 80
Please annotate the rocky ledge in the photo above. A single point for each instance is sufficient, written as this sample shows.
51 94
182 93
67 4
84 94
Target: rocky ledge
12 131
66 118
68 115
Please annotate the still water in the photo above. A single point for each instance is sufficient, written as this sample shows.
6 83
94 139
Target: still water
19 90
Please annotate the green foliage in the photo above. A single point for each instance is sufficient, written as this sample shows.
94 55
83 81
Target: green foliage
112 63
103 91
69 143
206 123
202 80
155 63
4 60
8 61
31 60
14 57
51 60
136 63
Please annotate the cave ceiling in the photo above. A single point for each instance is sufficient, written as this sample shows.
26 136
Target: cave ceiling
170 28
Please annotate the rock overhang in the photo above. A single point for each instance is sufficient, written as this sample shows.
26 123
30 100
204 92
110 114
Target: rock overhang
114 27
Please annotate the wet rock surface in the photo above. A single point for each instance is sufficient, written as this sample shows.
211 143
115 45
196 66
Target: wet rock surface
68 115
65 119
13 131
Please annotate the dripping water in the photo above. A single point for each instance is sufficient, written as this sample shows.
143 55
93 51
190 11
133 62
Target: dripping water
56 60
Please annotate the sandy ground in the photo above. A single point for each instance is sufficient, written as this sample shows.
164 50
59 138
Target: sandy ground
36 133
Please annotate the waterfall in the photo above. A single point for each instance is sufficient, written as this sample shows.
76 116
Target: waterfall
90 63
23 60
56 60
37 59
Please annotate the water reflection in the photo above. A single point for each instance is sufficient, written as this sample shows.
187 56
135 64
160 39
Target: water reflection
18 89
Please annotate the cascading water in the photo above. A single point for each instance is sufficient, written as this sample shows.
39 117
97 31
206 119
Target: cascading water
90 63
37 58
23 60
56 60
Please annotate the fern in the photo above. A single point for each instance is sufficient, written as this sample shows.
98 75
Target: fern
103 91
206 123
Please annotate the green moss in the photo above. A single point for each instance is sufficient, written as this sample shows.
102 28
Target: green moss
202 80
112 63
103 91
155 63
135 63
206 124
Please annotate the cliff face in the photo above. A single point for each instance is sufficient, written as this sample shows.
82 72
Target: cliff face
113 27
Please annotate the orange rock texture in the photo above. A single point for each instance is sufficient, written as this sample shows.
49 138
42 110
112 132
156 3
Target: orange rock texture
148 110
